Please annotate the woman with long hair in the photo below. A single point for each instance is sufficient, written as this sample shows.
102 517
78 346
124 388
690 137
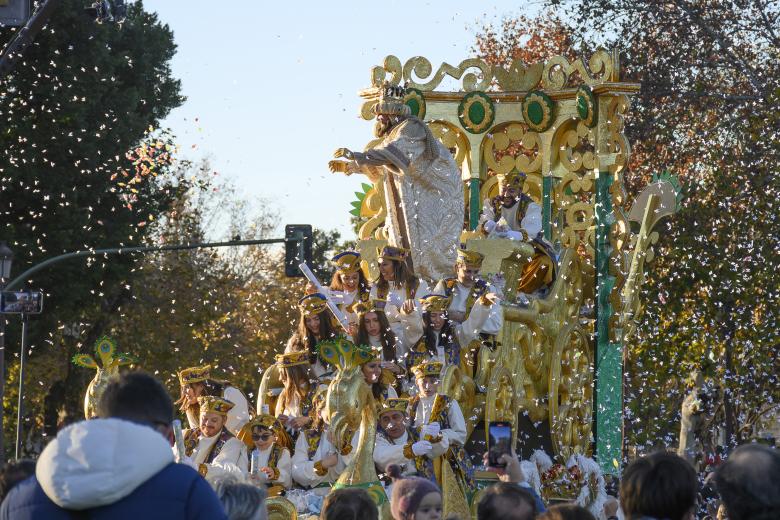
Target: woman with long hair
374 330
442 338
314 325
295 400
373 374
197 382
349 286
399 286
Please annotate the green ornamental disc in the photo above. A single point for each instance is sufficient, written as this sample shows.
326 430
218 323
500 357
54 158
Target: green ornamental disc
586 106
415 101
476 112
538 110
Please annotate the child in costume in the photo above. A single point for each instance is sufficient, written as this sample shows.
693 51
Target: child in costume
198 381
294 403
270 460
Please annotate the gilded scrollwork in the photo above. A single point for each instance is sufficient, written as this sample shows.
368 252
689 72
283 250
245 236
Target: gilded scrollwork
576 154
508 147
554 74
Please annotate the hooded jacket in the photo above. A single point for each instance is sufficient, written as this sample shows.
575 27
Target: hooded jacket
110 468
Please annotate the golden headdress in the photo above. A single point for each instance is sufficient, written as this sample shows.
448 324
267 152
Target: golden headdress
347 261
391 101
292 359
211 403
194 375
313 304
269 422
395 404
435 303
514 179
427 369
344 354
392 253
471 259
370 306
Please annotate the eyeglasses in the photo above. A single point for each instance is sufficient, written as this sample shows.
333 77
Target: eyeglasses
261 436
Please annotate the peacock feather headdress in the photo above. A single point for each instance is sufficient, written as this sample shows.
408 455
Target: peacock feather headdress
344 354
106 351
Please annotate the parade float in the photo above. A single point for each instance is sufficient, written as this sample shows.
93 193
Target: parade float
555 370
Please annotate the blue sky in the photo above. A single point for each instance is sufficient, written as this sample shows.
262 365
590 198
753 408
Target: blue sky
272 88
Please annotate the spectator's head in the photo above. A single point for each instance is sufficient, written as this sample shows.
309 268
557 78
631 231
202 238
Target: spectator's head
506 501
140 398
660 485
13 473
749 483
241 501
349 504
566 512
414 498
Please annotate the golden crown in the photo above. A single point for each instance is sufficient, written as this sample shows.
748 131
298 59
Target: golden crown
211 403
392 253
347 261
370 306
395 404
312 304
514 179
194 374
344 354
470 259
391 101
427 369
292 359
264 420
435 303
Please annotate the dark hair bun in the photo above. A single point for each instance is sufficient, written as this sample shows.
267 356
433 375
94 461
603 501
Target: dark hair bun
394 471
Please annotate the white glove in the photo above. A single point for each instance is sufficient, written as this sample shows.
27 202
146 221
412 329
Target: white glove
431 429
421 448
489 226
394 299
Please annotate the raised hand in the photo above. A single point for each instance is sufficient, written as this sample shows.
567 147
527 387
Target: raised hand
339 167
343 152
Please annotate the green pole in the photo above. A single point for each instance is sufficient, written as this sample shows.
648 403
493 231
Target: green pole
547 183
608 399
474 203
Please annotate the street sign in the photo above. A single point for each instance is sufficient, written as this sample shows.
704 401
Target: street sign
14 13
21 302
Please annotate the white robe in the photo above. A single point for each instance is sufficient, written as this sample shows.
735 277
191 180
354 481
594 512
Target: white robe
284 465
303 471
430 193
531 221
456 433
406 327
388 451
232 459
236 417
460 295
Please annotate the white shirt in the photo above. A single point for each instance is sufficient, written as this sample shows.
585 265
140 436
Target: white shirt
284 465
531 221
460 295
391 451
456 433
303 467
404 326
231 460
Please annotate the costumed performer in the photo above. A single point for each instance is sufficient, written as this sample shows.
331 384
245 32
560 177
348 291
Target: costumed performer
270 461
513 214
300 385
198 381
211 448
423 185
442 338
399 286
314 326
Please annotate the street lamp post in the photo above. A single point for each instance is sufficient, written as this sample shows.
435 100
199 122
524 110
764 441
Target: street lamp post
6 258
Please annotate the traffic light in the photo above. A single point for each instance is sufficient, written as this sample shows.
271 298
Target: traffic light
297 248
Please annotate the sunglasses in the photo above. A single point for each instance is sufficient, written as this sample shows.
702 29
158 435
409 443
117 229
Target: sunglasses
261 436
